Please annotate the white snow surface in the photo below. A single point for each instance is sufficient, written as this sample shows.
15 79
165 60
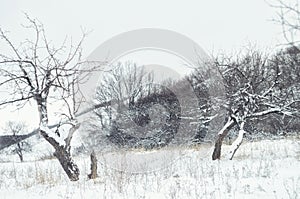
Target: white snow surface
262 169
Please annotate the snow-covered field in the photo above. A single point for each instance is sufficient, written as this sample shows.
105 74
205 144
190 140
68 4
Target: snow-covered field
265 169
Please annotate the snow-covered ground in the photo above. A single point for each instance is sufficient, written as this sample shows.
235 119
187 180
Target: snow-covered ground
264 169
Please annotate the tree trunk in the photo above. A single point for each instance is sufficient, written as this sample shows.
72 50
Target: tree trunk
93 173
62 150
19 152
222 133
64 157
237 143
21 157
66 161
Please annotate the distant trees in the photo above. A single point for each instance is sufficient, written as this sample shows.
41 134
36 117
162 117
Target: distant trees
36 71
14 129
141 110
148 115
260 89
124 84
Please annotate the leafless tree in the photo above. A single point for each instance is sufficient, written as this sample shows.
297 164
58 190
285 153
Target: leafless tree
124 84
288 16
38 71
253 84
14 129
139 119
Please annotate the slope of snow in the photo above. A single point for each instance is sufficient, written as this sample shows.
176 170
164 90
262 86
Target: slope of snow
265 169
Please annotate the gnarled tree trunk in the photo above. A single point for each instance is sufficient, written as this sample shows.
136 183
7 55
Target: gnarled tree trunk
62 147
63 154
67 163
222 133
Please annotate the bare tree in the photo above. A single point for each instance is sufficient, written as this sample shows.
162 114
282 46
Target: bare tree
124 84
254 89
145 114
37 71
288 16
18 128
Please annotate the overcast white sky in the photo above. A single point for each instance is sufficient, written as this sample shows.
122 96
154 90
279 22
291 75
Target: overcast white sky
214 25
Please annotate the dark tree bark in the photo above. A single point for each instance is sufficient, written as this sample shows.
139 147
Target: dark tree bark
64 157
93 173
19 152
66 161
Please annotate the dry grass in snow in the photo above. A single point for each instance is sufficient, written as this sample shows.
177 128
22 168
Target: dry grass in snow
265 169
